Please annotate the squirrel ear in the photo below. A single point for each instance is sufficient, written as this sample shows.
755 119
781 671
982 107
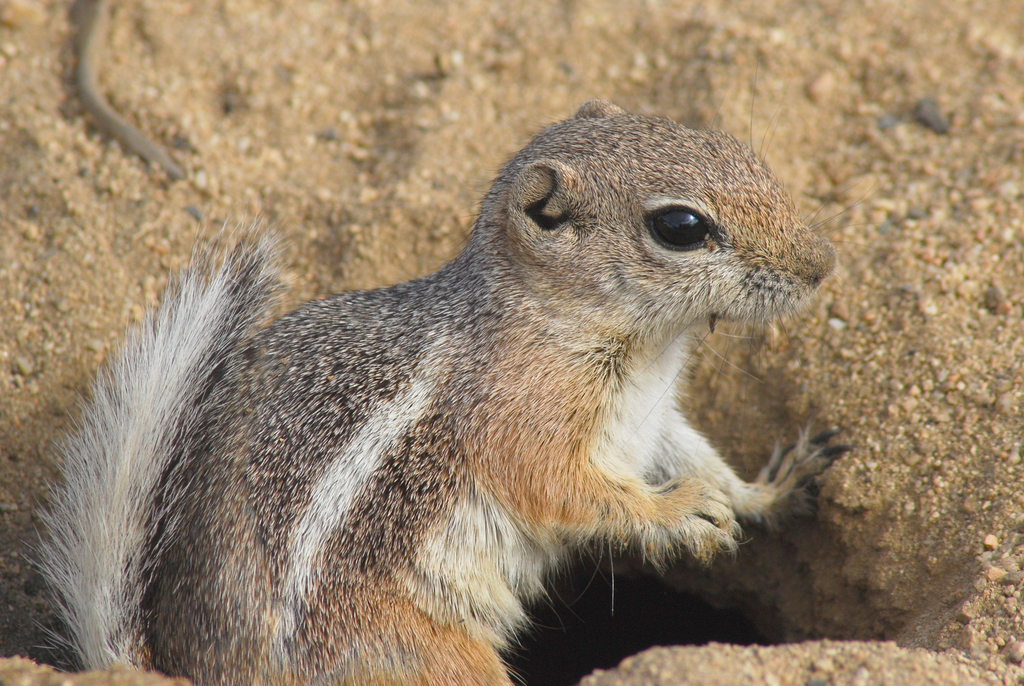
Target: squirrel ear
542 193
596 108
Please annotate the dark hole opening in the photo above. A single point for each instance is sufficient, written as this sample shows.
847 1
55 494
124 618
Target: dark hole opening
576 632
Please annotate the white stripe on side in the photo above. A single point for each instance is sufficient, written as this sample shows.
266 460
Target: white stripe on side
333 493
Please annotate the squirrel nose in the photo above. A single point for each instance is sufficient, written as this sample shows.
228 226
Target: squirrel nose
816 262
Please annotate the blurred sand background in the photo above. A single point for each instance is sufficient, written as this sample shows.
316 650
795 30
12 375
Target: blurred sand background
366 131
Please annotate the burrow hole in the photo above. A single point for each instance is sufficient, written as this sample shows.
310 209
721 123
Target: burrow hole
588 625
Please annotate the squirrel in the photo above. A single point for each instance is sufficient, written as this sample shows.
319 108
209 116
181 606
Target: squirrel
373 488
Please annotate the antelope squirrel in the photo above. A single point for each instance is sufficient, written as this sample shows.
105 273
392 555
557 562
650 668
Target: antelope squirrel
370 489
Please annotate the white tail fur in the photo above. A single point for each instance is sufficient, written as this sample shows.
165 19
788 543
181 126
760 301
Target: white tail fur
127 436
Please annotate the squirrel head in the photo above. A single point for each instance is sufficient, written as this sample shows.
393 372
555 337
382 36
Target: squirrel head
640 224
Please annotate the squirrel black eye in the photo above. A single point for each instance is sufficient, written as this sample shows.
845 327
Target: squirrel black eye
680 228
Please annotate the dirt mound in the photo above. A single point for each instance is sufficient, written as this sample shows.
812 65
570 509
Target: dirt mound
801 664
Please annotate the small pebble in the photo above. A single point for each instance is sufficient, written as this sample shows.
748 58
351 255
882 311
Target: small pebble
995 300
1015 651
817 682
991 542
182 143
196 213
232 100
19 13
1008 563
839 310
1012 578
995 574
822 87
928 114
328 134
24 366
888 121
824 664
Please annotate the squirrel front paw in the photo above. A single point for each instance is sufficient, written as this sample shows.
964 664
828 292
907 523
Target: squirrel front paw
790 471
707 524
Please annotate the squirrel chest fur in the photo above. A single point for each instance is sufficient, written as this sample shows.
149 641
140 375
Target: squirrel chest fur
371 488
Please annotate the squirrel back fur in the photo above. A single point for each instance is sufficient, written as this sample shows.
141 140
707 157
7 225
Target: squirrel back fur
371 488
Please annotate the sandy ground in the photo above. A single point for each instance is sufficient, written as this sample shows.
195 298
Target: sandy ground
366 132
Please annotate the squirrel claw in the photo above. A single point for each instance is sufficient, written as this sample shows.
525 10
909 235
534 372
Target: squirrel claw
790 474
799 463
824 457
824 436
833 452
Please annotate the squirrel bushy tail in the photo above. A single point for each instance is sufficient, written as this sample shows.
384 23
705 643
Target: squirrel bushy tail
143 409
